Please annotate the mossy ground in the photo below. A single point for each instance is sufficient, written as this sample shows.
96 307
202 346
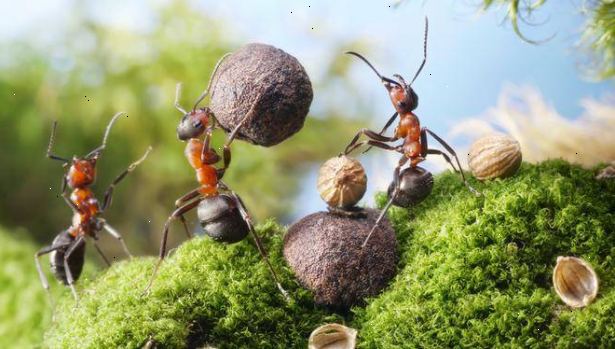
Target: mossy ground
474 272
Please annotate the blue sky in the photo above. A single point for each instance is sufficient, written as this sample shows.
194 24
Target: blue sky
472 56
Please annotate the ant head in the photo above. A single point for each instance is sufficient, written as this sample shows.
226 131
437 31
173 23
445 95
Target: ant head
193 124
402 95
82 172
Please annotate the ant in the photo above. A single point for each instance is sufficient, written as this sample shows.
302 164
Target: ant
414 147
68 248
220 210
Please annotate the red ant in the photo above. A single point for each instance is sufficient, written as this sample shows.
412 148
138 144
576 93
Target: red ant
68 247
414 147
221 211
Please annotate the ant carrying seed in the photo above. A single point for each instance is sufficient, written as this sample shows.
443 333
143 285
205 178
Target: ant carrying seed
220 210
414 147
67 250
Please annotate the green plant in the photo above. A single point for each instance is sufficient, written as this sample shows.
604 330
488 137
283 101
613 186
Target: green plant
473 272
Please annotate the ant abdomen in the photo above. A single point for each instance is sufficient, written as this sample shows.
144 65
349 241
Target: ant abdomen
75 262
221 219
415 185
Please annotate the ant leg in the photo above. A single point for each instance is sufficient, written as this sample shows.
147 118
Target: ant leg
50 145
226 150
259 245
450 150
69 275
211 77
396 183
100 252
386 126
109 192
374 144
369 133
179 202
165 233
43 251
117 236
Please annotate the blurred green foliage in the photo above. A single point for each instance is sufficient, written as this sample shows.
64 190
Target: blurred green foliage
25 310
93 70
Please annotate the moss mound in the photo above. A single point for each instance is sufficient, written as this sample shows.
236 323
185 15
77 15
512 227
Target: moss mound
205 292
474 272
477 271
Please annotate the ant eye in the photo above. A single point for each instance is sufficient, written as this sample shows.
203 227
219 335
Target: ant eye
197 124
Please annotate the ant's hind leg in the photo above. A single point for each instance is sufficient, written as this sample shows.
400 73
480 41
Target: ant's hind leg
396 183
165 234
69 275
43 251
259 245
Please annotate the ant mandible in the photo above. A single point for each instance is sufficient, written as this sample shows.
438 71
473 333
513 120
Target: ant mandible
220 210
414 147
68 247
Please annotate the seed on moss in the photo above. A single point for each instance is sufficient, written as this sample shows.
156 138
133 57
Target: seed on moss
415 185
324 250
494 156
268 79
341 182
575 281
333 336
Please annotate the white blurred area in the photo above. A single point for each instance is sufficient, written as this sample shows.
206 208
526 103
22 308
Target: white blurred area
523 113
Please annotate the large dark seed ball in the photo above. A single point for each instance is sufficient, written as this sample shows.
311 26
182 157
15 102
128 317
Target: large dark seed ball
324 250
75 262
220 219
271 80
416 184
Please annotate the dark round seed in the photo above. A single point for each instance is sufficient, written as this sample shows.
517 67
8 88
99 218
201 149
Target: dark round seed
271 80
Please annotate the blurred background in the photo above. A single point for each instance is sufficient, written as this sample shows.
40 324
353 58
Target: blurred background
81 62
541 71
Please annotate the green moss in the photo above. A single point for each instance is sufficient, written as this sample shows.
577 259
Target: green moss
474 272
478 270
205 292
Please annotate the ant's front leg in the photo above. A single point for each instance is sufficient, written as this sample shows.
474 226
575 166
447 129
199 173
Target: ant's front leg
226 150
109 192
373 136
386 126
165 233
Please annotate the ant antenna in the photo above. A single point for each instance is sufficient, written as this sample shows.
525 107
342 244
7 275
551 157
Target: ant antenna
424 52
211 77
96 152
374 69
51 140
178 93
